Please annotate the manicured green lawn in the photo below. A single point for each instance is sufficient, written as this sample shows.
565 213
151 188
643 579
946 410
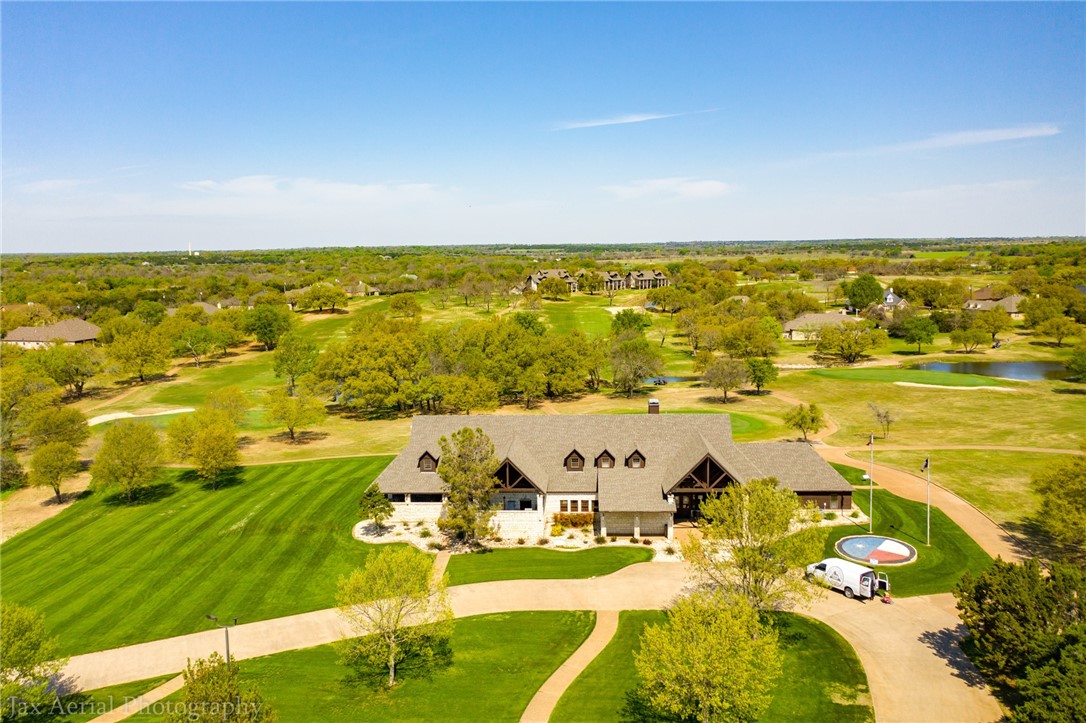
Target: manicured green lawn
88 705
853 475
996 482
499 662
252 374
938 567
916 376
107 574
534 563
586 313
809 689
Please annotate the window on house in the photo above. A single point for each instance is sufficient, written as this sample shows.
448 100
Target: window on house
417 497
605 461
395 497
636 461
564 506
427 463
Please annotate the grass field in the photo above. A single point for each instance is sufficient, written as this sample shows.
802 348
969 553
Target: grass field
587 313
996 482
853 475
534 563
1032 415
938 567
808 690
275 543
913 376
498 663
88 705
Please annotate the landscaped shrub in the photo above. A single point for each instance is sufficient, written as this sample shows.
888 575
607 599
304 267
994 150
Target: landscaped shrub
574 519
520 540
420 523
543 541
425 533
855 514
496 538
646 541
817 517
831 515
571 536
670 549
557 530
614 539
601 540
634 540
434 545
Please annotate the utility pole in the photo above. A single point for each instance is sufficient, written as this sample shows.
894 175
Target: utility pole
871 487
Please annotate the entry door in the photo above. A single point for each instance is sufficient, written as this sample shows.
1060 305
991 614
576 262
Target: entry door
687 506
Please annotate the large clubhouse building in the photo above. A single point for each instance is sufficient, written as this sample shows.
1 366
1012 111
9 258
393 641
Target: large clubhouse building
637 474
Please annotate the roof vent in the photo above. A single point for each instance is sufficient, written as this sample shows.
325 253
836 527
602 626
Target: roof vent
654 406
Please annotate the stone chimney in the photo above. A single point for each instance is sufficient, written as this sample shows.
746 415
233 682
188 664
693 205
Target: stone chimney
654 406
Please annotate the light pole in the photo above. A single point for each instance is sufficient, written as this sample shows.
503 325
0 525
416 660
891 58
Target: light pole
871 487
226 629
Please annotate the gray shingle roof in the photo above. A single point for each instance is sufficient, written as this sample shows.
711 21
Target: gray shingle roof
816 320
73 330
671 444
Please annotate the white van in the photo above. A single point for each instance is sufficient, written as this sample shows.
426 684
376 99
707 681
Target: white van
853 579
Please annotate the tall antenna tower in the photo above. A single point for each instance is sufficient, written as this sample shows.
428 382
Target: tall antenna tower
190 248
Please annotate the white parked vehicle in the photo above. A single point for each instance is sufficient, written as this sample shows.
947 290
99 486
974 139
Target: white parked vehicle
852 579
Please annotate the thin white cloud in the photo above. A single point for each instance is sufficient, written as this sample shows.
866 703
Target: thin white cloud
619 120
972 138
678 187
52 185
959 191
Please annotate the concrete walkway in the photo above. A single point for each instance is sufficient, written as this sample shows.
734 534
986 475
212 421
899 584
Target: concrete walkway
130 708
995 540
546 698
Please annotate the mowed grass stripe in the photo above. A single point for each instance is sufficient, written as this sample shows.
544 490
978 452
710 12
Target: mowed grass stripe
105 575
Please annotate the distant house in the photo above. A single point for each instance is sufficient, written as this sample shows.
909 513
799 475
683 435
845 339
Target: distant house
807 326
891 301
634 474
534 280
646 279
208 308
361 289
1007 303
70 331
988 293
230 303
612 280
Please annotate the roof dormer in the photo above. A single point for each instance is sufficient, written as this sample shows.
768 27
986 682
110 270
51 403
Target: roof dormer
605 460
636 460
427 462
574 462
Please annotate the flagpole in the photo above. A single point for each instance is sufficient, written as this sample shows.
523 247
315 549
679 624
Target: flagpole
871 488
927 466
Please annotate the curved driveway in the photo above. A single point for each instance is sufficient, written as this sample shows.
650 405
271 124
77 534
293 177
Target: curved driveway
909 649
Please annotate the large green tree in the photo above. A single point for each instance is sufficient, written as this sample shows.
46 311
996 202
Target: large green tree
726 375
849 342
142 352
207 439
713 661
807 419
58 424
755 540
467 472
1017 616
71 365
53 463
293 412
268 323
762 373
397 609
1062 488
993 321
375 505
23 392
919 330
130 458
633 360
863 291
29 665
295 355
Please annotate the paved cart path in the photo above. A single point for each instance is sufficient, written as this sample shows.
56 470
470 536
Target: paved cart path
546 698
905 647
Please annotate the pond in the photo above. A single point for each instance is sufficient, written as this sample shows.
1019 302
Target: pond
1026 371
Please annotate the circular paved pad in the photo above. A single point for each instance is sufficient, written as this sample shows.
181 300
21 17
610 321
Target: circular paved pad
876 549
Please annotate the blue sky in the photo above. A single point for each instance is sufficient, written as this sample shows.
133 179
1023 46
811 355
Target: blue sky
141 126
